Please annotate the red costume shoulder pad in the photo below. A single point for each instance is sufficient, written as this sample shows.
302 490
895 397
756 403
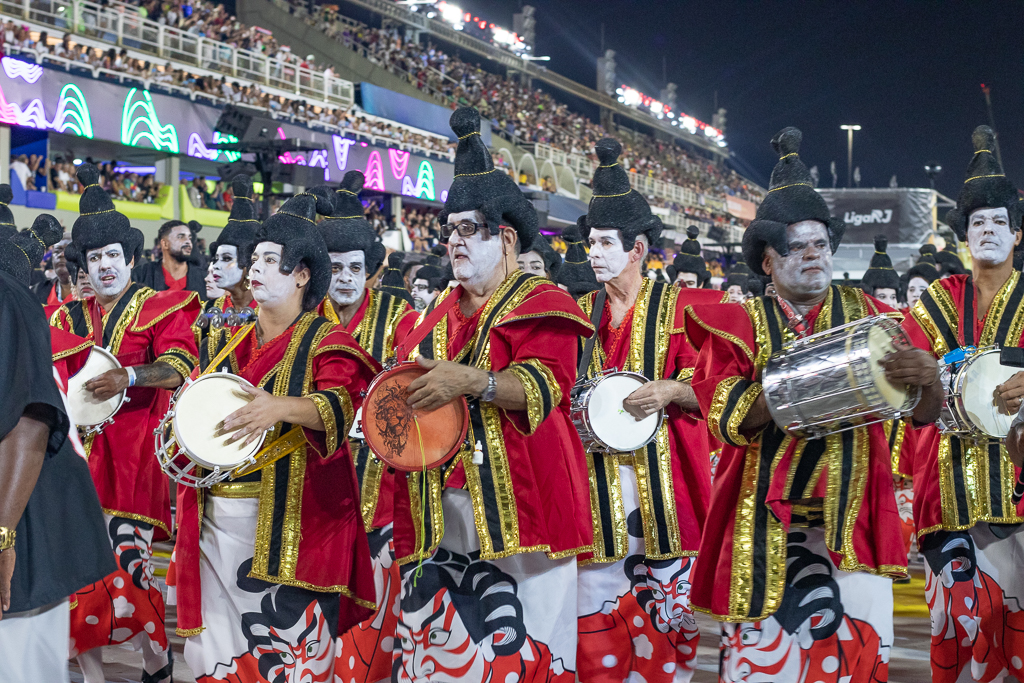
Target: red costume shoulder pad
695 297
337 339
548 300
728 321
162 304
70 348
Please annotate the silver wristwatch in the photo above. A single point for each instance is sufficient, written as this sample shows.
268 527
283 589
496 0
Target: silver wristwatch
492 388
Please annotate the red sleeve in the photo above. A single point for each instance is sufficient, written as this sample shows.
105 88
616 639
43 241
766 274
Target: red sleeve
405 324
341 373
174 342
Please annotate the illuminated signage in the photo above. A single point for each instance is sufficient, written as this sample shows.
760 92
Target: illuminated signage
631 97
139 122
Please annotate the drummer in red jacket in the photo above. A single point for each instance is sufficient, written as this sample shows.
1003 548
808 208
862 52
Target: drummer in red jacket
769 484
968 528
649 504
150 335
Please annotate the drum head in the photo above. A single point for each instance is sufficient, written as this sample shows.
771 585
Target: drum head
198 416
880 344
408 439
983 373
86 409
610 421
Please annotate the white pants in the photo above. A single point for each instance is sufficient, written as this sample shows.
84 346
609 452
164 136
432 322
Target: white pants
34 645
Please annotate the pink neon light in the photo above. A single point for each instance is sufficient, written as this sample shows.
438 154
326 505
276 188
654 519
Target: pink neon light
374 172
399 162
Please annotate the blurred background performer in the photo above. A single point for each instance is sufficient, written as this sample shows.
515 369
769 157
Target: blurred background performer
922 274
502 525
540 260
575 274
648 505
798 528
688 269
273 565
968 528
60 289
430 281
150 335
177 270
882 282
52 536
230 256
377 321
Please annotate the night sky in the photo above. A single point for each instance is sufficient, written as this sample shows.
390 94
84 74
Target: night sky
908 72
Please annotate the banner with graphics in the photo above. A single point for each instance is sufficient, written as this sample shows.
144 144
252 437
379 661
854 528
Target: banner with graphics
903 214
52 99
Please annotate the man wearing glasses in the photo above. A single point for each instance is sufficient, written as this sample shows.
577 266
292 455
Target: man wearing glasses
515 502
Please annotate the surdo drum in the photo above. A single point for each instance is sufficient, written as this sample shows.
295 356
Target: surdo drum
832 381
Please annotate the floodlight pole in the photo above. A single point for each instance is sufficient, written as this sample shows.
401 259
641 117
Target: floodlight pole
849 152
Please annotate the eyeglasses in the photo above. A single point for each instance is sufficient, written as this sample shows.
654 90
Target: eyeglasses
464 228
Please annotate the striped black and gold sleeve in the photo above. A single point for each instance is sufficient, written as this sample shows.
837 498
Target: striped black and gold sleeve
182 361
732 401
543 394
336 411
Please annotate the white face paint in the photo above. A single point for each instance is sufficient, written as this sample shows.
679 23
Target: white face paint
607 257
348 277
687 280
108 273
212 290
806 271
422 295
915 288
270 287
887 296
227 271
990 237
474 259
531 263
735 294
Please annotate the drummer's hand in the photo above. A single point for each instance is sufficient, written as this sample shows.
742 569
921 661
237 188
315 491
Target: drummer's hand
445 381
911 366
259 415
1009 394
652 397
109 384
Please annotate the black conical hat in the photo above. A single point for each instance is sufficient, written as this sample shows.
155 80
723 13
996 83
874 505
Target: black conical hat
7 226
240 232
575 272
926 268
478 186
949 260
347 229
791 198
392 282
99 223
22 252
294 228
985 187
689 258
880 273
614 205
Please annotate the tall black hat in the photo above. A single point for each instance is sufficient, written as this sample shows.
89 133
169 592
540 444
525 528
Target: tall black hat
294 228
434 276
478 186
690 260
392 280
21 253
7 226
925 268
99 223
552 260
880 273
985 187
950 261
347 229
575 273
240 232
615 204
791 198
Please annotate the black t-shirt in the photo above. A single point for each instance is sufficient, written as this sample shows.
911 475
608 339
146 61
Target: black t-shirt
62 543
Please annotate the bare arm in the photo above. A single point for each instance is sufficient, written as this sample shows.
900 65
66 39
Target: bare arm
265 410
157 375
447 380
653 396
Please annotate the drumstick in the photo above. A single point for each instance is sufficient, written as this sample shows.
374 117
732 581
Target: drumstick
1018 489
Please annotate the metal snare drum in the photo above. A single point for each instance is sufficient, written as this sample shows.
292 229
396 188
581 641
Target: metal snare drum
969 406
603 424
831 381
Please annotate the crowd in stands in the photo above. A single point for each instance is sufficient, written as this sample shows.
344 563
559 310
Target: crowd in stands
36 172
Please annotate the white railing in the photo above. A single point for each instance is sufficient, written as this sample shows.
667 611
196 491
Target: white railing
119 26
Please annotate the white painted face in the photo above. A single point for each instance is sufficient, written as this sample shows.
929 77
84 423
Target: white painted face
990 237
687 280
887 296
270 287
915 288
475 258
84 286
348 277
227 271
735 294
108 272
531 263
422 295
212 290
807 269
607 257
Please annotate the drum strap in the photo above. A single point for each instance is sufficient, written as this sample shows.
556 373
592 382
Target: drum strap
588 347
225 352
435 316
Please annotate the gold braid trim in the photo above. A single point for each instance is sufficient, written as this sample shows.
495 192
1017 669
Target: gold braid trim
724 335
721 397
534 392
189 632
685 375
60 355
175 360
138 518
323 407
172 309
739 413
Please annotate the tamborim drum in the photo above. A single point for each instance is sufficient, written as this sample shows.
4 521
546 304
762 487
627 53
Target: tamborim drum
832 381
411 440
604 425
970 406
191 435
87 411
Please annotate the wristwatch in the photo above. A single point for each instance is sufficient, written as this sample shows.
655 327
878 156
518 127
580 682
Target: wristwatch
492 388
6 538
